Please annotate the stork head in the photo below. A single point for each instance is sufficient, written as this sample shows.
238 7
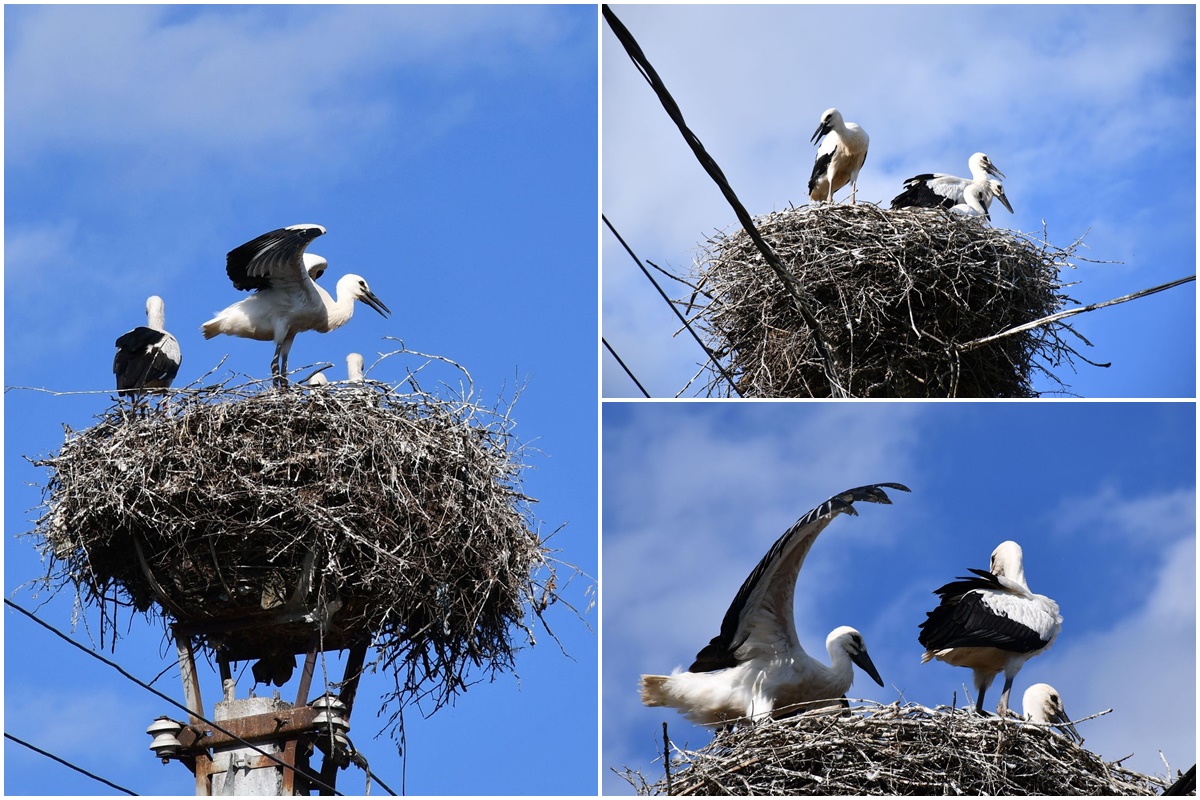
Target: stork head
1043 703
356 286
1008 561
850 642
832 118
998 193
982 166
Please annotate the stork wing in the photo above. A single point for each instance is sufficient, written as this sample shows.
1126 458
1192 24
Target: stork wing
986 611
931 190
271 258
761 614
145 355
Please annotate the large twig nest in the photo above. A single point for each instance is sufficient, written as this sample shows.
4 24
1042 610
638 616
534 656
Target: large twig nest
258 519
895 750
899 296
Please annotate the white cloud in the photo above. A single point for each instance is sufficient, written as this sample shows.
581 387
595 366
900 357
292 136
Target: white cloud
231 82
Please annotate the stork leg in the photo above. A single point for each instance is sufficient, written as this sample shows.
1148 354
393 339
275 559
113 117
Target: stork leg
1002 709
982 682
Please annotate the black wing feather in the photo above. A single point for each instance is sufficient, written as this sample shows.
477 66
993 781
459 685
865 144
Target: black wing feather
249 265
819 169
719 652
917 194
963 619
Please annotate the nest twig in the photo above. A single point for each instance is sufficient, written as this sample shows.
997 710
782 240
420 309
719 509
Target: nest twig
258 518
900 297
897 749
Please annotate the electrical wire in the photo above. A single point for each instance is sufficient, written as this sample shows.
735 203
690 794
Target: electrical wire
171 700
66 763
628 372
711 356
639 59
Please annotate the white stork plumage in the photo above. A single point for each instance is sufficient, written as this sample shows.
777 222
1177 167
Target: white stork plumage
286 298
839 157
756 668
937 190
991 623
354 369
974 202
147 357
1042 703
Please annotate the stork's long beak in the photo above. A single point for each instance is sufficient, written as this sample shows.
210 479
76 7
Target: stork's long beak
822 129
1000 196
991 169
863 659
1065 725
374 302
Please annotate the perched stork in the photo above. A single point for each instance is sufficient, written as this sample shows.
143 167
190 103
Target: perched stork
936 190
991 623
1042 703
839 158
755 667
147 357
974 203
286 298
354 369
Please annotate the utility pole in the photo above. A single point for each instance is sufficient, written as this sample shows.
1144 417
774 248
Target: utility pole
261 746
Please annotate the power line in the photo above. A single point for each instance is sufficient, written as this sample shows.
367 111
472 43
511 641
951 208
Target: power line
628 372
66 763
714 171
711 356
171 700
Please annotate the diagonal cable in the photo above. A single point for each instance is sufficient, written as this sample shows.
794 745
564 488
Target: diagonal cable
66 763
628 372
711 356
710 166
269 756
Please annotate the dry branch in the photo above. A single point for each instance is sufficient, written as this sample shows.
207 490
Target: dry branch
895 750
896 293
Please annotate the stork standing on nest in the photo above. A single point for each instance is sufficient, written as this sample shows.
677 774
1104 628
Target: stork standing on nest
839 158
756 667
991 623
286 298
937 190
147 357
974 203
1042 703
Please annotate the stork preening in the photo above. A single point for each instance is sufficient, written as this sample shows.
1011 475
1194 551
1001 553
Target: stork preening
286 298
755 667
936 190
1042 703
991 623
147 357
839 158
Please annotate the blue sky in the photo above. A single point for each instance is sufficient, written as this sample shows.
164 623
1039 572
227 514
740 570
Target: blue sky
1088 110
451 154
1101 496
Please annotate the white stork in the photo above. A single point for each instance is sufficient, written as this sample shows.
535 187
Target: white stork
991 623
286 299
354 369
147 357
1042 703
937 190
974 202
755 667
839 158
